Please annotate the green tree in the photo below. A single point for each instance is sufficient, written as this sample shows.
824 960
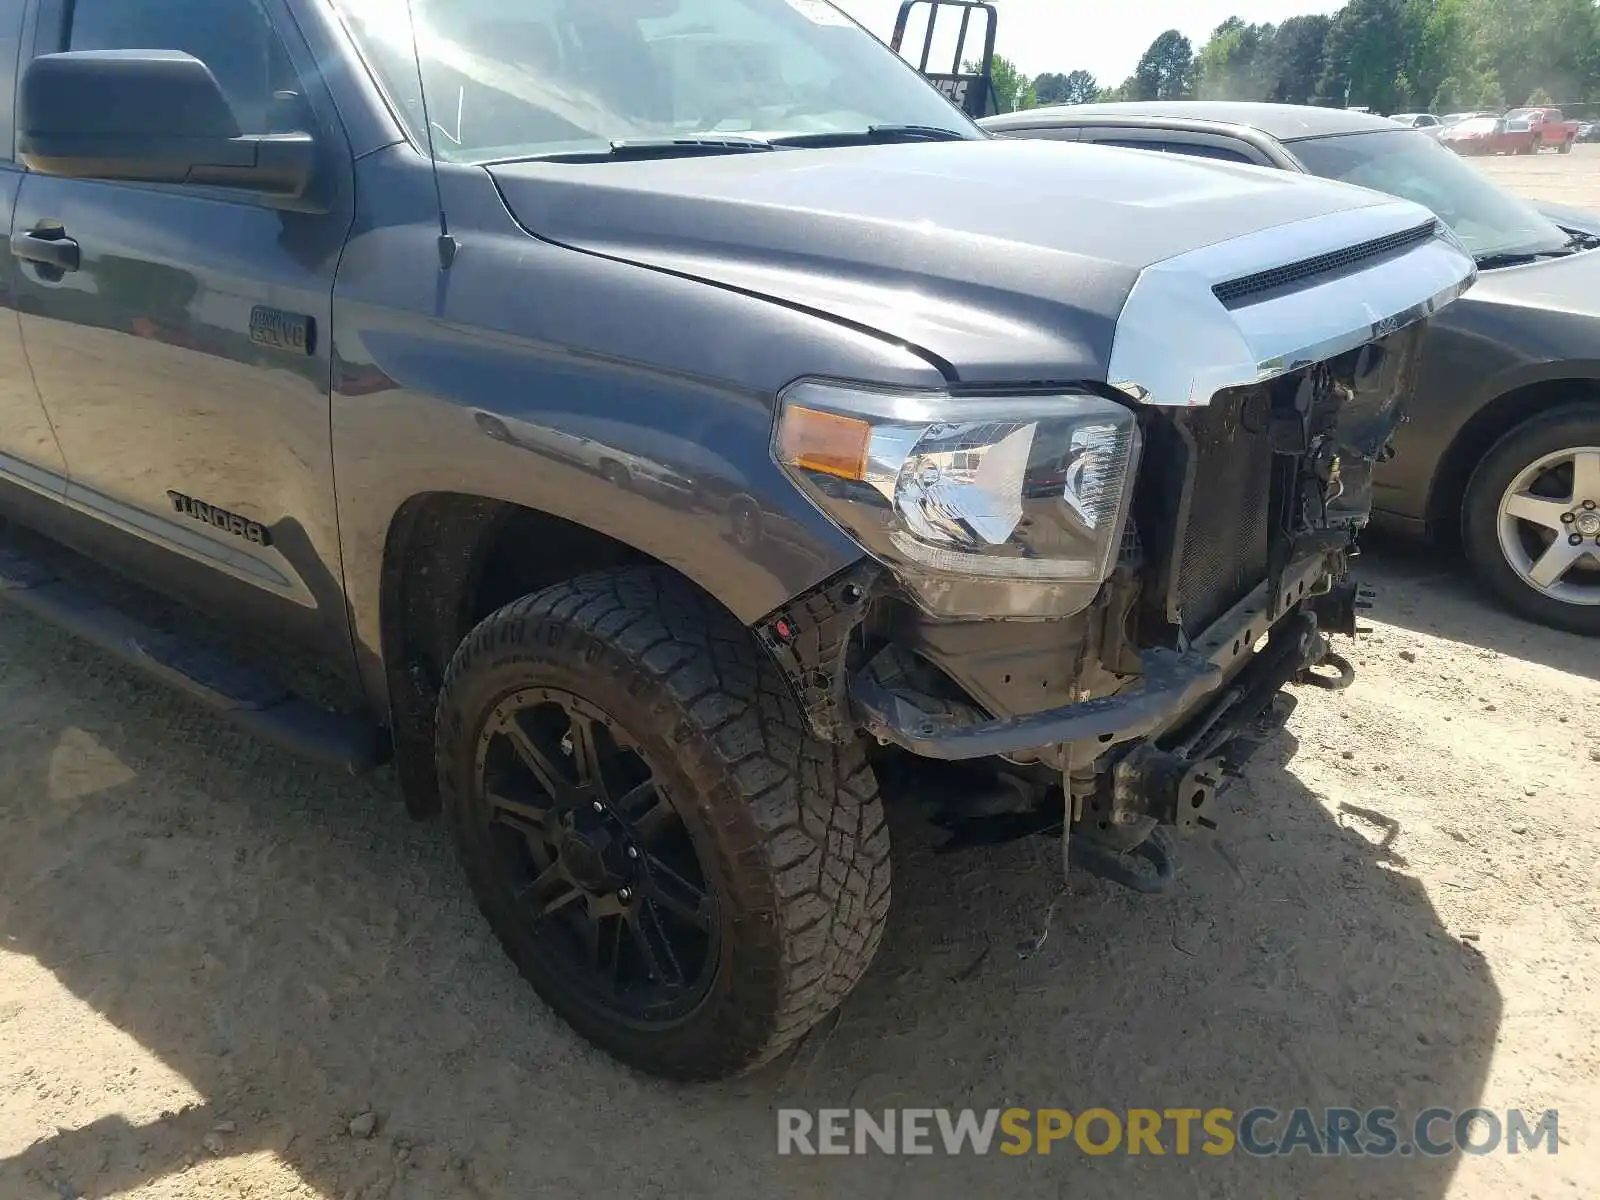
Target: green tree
1236 64
1449 55
1050 88
1438 36
1166 72
1540 99
1012 89
1298 58
1550 44
1082 87
1366 55
1487 93
1448 96
1128 89
1075 87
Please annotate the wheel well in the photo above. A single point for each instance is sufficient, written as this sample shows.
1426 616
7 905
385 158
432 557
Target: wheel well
450 561
1488 426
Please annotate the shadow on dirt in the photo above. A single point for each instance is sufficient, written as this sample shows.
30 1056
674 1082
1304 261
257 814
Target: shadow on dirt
1430 590
299 951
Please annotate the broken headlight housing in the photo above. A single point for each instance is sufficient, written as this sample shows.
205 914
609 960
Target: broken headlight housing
985 506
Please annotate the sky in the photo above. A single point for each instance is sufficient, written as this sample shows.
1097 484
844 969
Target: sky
1103 37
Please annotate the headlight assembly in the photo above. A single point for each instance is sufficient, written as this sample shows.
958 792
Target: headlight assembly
993 506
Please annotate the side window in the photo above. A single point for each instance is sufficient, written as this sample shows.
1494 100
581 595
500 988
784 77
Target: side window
1054 133
1192 149
232 37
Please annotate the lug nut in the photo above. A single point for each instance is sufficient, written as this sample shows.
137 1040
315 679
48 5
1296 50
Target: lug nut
633 852
1589 504
1567 518
598 807
625 895
1575 540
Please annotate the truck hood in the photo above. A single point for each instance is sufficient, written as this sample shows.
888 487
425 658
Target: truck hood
991 257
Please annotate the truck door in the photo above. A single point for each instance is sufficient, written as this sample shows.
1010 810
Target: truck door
29 454
179 335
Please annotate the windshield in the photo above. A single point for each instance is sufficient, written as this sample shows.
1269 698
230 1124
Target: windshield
1413 166
526 78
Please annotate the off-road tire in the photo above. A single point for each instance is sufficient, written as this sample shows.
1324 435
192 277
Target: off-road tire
1569 425
789 829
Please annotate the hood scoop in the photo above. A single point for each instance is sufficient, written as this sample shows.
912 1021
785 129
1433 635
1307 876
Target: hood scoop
1264 285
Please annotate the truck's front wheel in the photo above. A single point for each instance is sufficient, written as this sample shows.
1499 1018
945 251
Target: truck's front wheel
681 869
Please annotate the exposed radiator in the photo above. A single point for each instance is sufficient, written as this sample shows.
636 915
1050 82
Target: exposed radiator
1222 554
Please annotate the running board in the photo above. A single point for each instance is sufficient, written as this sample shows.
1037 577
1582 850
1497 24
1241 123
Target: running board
242 694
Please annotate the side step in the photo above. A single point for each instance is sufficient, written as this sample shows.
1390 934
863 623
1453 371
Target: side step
245 696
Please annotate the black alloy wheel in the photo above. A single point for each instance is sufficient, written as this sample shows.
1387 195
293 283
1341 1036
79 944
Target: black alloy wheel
681 868
590 845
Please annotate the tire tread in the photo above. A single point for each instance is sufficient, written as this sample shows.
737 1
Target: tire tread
802 817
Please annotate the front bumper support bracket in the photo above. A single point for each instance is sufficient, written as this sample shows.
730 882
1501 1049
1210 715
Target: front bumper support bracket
1171 683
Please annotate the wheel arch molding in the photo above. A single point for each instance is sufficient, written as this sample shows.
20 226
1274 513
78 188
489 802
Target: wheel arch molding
453 558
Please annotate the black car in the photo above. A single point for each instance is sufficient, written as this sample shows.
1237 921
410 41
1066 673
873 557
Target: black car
1501 445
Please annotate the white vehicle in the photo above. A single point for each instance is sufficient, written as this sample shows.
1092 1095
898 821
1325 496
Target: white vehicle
1426 122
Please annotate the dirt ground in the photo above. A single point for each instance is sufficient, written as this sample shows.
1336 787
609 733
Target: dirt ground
1554 178
213 958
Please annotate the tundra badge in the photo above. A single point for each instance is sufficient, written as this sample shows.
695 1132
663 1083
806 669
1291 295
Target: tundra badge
279 330
221 518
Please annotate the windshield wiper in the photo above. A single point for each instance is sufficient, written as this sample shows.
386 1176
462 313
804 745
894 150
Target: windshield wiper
872 135
700 145
1490 262
624 149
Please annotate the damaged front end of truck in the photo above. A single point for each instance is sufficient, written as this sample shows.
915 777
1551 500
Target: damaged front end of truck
1094 596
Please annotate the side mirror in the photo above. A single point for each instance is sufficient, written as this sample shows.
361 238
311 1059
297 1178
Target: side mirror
153 116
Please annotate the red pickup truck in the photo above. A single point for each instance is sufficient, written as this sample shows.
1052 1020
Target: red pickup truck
1550 128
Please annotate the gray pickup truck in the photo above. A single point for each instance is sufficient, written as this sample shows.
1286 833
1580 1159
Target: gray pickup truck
665 412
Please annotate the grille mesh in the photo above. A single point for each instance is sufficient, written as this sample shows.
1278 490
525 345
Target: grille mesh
1224 550
1235 293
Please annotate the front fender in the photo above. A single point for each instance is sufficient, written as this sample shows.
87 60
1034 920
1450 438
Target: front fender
1479 356
629 401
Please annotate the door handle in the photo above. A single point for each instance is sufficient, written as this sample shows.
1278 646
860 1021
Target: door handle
58 251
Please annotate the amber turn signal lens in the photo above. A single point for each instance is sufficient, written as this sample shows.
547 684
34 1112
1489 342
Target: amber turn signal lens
824 442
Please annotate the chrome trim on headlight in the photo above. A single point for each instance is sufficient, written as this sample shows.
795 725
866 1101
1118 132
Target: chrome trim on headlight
1008 505
1177 345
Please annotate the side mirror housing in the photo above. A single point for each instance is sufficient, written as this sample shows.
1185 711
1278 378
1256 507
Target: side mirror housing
152 116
